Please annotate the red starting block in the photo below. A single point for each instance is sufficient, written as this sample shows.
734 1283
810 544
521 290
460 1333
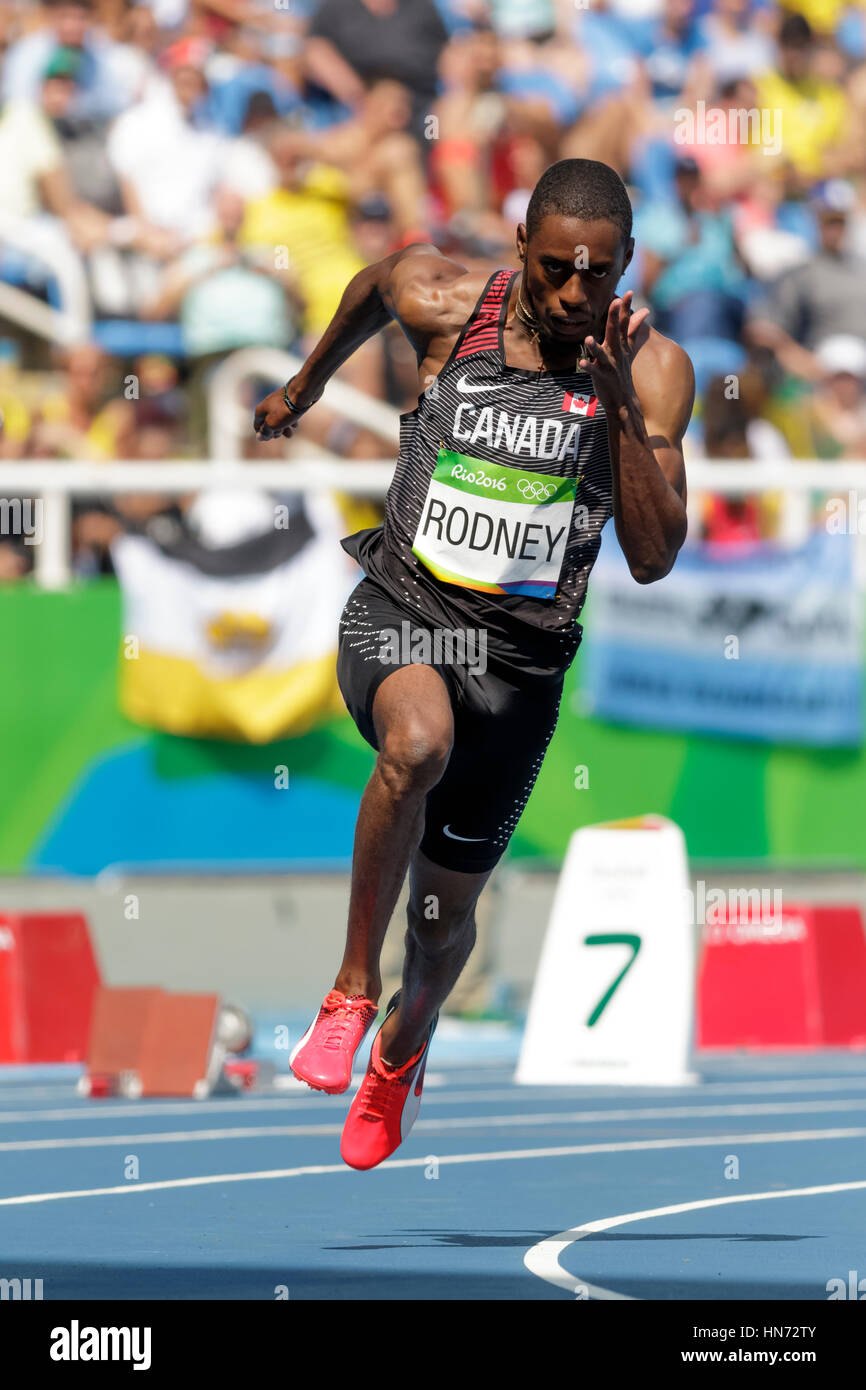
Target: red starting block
152 1042
118 1025
180 1052
48 979
790 978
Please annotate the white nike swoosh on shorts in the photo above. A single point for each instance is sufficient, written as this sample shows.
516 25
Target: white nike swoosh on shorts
474 839
484 386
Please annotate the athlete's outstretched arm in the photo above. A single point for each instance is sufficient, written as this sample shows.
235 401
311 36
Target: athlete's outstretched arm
408 286
647 387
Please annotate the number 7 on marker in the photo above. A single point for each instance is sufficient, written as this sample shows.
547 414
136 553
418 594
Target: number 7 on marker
629 939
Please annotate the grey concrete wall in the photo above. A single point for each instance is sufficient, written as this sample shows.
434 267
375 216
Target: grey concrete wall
274 943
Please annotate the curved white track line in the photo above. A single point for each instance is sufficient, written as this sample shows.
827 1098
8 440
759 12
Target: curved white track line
573 1150
543 1259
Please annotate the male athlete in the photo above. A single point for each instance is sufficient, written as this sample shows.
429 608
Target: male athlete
546 407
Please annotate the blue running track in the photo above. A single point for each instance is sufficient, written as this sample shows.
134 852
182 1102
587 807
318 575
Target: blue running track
750 1184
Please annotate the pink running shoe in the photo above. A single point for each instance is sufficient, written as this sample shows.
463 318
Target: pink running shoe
323 1058
385 1106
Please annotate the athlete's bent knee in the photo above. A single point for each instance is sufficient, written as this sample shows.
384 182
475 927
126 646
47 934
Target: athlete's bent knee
414 757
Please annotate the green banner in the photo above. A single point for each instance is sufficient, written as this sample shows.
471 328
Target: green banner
76 772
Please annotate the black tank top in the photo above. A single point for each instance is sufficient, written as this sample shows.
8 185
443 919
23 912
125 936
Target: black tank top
493 518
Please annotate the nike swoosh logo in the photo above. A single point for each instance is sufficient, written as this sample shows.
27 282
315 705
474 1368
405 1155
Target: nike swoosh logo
470 839
469 390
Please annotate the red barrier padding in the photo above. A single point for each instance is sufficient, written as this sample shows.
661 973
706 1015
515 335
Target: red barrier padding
840 944
48 978
793 977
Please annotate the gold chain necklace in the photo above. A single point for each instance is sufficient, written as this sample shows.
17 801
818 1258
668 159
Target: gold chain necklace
527 318
532 324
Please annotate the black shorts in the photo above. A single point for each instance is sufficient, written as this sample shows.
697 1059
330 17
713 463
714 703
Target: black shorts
501 728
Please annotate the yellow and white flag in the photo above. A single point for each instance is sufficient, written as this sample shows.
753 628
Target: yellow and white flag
234 638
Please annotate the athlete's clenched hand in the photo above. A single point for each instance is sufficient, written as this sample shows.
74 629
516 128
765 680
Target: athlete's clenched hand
609 363
274 418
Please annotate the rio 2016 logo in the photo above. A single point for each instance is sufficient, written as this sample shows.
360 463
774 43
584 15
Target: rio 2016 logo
479 477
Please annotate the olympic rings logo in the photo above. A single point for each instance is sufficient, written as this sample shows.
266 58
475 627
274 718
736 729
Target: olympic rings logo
534 490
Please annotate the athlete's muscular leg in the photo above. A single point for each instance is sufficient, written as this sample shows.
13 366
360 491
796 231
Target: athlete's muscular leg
441 935
414 730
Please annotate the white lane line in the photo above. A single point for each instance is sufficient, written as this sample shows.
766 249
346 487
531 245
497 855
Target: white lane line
543 1259
511 1121
59 1091
182 1136
106 1110
702 1141
14 1089
304 1100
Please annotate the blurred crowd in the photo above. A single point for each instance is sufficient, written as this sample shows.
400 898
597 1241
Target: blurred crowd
206 175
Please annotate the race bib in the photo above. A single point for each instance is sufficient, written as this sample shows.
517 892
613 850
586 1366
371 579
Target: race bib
501 530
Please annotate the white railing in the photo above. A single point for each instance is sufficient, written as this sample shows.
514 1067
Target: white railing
44 239
229 421
57 483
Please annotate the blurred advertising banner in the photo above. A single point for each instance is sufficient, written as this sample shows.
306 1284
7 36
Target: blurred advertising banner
230 617
760 643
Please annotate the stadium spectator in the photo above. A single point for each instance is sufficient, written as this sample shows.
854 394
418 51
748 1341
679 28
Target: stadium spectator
838 404
691 273
167 158
39 175
306 222
815 113
737 41
98 522
81 138
728 520
87 417
93 204
676 55
112 76
379 156
766 441
352 43
469 115
227 297
814 301
247 167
